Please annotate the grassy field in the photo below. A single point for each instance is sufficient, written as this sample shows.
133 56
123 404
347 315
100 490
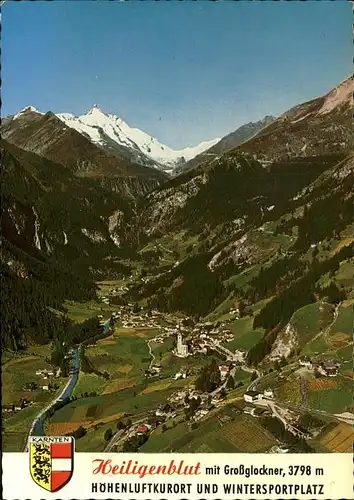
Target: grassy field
345 321
316 346
20 371
345 353
211 436
332 399
124 356
244 335
15 428
309 320
131 400
345 274
104 287
89 382
258 439
289 391
241 280
338 342
80 311
339 439
93 440
241 375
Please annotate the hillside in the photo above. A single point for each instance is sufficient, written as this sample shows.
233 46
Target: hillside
58 230
260 255
47 136
317 127
230 141
270 234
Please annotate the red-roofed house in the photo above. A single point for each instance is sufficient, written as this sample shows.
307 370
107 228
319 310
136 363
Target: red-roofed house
142 429
224 370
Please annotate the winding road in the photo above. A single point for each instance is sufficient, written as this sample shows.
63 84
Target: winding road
123 434
153 357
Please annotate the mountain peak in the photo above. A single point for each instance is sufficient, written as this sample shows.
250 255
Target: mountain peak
340 96
95 109
28 109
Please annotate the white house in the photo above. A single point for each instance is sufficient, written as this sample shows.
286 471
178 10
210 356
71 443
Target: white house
268 393
305 362
251 396
240 355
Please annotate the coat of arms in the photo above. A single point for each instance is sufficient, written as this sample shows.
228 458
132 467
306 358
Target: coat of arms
51 461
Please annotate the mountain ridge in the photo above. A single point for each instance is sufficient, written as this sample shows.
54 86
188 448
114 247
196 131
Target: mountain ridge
228 142
46 135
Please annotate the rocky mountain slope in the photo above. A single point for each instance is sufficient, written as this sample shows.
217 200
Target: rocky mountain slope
47 136
230 141
294 149
59 233
48 211
317 127
268 266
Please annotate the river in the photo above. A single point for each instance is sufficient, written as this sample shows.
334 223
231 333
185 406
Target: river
37 428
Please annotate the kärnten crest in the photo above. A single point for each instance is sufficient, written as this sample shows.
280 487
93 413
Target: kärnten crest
51 461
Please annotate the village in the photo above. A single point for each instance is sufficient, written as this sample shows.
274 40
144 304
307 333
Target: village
190 338
193 338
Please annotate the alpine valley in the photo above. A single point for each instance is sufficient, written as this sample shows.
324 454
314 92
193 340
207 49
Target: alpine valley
157 300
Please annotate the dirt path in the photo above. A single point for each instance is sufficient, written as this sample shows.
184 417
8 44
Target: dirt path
153 357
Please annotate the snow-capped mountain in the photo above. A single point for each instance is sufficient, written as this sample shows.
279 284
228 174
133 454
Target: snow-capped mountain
26 110
111 132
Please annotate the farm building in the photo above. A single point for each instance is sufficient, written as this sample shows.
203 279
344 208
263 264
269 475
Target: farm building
305 362
328 369
217 398
224 370
240 355
268 393
251 396
8 408
142 429
45 373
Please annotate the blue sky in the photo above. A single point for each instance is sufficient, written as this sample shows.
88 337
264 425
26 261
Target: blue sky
181 71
